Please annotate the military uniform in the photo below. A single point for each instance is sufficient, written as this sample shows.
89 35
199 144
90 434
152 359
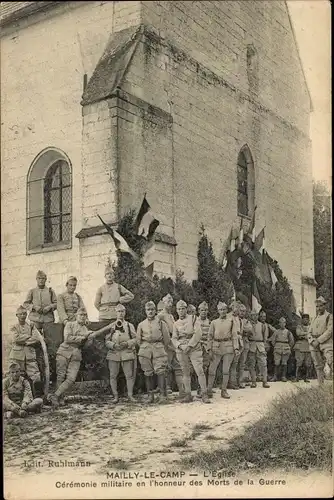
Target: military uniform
282 340
321 329
302 350
173 363
205 325
37 300
69 356
257 351
18 394
239 362
68 305
23 351
107 298
223 340
187 333
126 356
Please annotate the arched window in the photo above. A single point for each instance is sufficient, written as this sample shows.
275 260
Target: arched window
246 182
49 202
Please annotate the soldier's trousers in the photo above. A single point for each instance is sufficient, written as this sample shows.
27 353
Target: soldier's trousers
303 358
33 406
227 359
67 372
281 358
194 359
319 359
129 369
153 365
259 358
238 367
31 369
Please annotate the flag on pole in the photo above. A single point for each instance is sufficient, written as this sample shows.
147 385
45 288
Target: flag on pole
259 243
119 242
274 279
251 228
256 303
146 223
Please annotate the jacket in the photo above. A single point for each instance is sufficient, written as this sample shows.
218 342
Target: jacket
187 332
17 392
302 332
258 337
24 342
107 298
223 335
68 305
153 338
169 320
322 329
282 340
75 336
39 298
116 337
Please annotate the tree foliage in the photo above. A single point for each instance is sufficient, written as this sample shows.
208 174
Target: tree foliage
322 223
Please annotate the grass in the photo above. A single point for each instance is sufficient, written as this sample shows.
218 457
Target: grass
179 443
296 432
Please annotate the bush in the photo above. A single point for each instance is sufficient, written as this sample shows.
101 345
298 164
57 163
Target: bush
296 432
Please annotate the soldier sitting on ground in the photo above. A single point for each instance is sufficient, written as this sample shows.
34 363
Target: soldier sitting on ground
121 345
302 348
282 340
23 352
17 396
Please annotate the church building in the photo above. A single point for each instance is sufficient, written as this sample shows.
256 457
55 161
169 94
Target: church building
202 105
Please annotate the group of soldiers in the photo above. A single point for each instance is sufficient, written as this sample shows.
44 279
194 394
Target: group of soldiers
167 349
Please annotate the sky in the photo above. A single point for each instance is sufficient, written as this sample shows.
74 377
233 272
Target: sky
312 24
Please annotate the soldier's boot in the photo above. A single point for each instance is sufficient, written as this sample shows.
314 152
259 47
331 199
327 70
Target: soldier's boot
284 370
211 380
169 383
162 386
113 385
187 388
204 392
187 398
253 378
54 399
223 393
276 373
320 376
179 383
265 379
36 405
129 385
22 413
149 387
37 389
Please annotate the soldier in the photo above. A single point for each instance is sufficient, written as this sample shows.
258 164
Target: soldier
186 340
153 340
234 314
121 345
257 351
321 339
302 349
271 330
69 302
239 363
23 352
282 340
109 295
69 354
173 364
41 302
204 322
17 397
223 344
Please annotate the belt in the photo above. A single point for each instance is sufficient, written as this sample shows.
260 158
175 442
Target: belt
152 341
282 342
261 341
113 304
223 340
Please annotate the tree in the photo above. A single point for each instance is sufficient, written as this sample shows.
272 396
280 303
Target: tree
322 223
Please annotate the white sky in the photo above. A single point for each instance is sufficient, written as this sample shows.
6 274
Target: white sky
312 24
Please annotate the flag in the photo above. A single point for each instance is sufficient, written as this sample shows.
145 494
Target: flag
251 227
274 279
119 241
266 270
224 251
259 243
256 303
293 302
146 223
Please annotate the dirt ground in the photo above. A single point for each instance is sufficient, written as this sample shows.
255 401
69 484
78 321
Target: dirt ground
131 437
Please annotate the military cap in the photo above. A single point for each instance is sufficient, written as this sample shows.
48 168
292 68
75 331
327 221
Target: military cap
14 365
305 315
108 269
71 278
221 304
203 305
321 300
21 309
166 297
120 307
40 274
81 310
150 303
282 317
181 303
191 308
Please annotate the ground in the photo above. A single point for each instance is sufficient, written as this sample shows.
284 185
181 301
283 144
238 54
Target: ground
127 437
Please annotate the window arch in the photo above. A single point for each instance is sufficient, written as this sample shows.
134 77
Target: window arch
246 182
49 202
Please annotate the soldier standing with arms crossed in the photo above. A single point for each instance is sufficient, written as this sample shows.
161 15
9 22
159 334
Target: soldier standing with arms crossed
153 340
321 339
41 302
302 348
257 350
223 344
186 338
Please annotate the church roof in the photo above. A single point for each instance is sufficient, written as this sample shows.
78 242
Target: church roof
11 12
112 66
